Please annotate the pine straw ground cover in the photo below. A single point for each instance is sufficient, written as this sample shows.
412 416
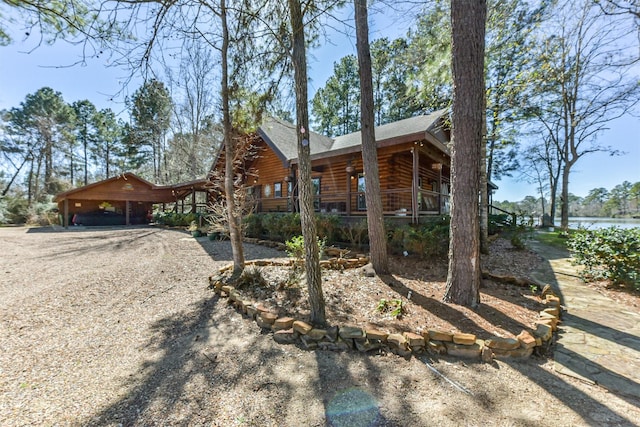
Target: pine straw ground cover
418 286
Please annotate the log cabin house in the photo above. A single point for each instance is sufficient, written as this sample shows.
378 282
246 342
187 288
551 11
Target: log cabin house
414 167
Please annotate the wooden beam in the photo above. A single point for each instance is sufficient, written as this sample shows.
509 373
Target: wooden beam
65 220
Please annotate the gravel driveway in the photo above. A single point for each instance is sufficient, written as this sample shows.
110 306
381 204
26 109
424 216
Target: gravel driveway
115 326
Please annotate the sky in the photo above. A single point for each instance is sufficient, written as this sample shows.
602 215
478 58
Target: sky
24 70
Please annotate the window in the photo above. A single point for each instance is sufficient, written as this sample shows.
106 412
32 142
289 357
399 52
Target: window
290 195
362 205
277 189
315 182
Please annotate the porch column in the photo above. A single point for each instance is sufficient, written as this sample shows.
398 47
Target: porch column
414 185
348 205
440 201
193 200
127 208
65 212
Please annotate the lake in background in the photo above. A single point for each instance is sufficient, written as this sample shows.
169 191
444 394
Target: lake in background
596 223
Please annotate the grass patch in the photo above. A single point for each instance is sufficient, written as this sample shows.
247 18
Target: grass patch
556 238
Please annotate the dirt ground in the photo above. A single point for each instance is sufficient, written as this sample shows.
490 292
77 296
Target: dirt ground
116 326
417 285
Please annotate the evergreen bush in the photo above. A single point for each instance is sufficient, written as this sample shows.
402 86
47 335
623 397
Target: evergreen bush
608 254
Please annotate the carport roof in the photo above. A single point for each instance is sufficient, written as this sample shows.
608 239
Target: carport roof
133 188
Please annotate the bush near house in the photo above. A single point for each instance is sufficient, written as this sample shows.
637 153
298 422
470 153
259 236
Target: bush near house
175 219
608 254
430 239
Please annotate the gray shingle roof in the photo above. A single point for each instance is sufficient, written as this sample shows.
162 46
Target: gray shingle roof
412 126
281 135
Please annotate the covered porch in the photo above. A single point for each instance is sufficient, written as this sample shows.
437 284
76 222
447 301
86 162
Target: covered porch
414 182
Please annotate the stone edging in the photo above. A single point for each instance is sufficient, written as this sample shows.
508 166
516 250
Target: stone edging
287 330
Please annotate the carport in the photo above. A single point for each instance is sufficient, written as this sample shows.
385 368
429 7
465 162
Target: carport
130 196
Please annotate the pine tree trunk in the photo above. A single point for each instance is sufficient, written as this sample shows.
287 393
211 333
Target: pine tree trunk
468 29
375 220
307 215
564 206
235 234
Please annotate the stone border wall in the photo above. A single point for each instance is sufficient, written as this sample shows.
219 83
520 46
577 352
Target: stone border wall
287 330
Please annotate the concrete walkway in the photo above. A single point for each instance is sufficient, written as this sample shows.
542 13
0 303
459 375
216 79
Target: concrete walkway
598 341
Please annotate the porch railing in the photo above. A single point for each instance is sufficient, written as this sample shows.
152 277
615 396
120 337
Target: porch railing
396 202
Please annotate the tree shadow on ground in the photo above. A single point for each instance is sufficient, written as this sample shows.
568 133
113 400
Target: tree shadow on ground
220 250
163 378
347 401
233 365
599 373
591 410
97 239
623 387
449 313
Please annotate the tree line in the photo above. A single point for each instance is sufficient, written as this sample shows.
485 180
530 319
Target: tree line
623 200
49 145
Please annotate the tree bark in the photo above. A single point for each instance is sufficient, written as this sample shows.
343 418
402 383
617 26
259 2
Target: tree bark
564 205
307 215
468 30
235 234
375 221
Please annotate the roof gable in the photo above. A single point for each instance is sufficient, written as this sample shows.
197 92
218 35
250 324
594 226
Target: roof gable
128 179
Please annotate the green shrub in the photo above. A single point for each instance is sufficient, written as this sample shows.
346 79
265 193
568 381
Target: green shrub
397 236
290 225
272 226
517 238
394 307
520 232
610 253
355 233
295 247
175 219
328 227
16 210
498 222
251 277
253 225
428 241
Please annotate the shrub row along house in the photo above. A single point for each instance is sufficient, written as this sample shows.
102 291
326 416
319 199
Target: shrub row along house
414 167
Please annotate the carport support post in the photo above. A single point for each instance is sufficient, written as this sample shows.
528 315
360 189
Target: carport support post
65 218
127 208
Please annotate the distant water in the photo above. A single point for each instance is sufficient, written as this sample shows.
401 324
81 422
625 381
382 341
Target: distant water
596 223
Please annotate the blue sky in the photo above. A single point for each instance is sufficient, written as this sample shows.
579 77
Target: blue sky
23 73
